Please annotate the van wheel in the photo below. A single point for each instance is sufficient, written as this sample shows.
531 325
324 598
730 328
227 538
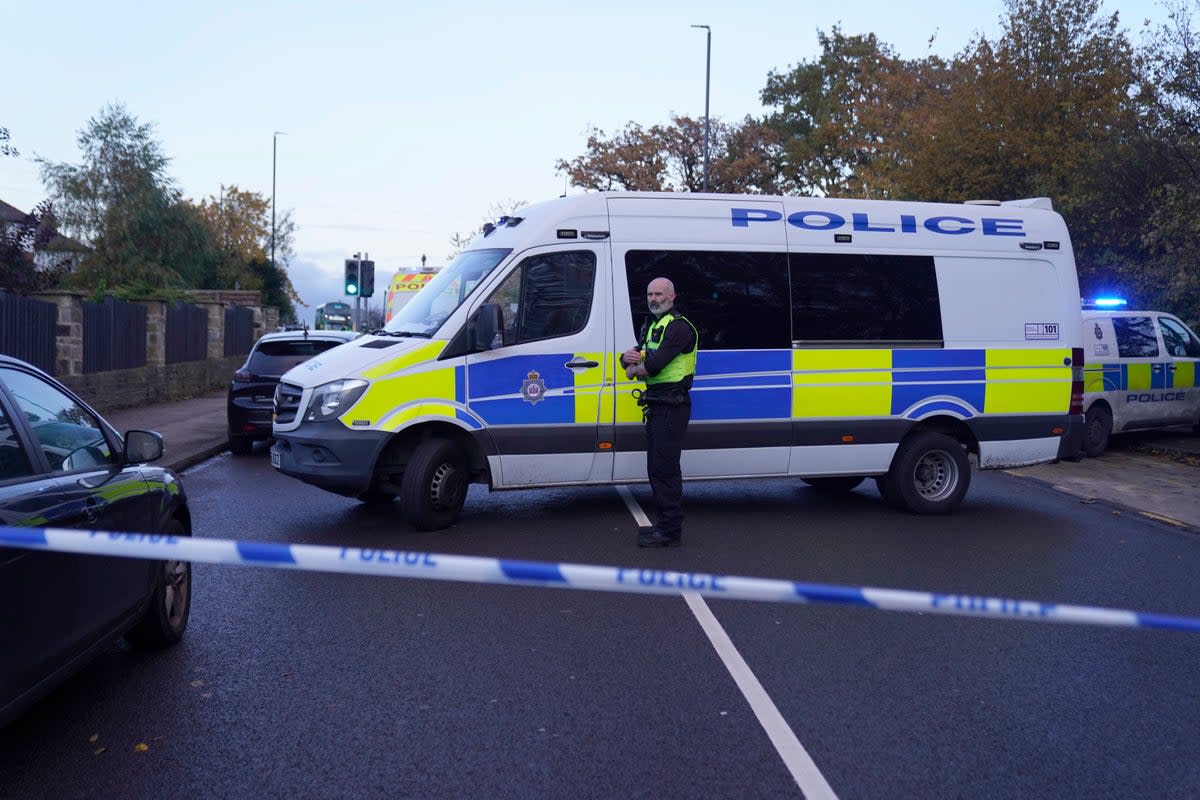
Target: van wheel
929 475
166 617
1097 427
434 486
836 485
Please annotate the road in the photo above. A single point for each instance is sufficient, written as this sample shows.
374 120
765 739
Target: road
310 685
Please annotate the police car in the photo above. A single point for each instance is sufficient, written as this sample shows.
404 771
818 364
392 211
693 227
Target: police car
1140 371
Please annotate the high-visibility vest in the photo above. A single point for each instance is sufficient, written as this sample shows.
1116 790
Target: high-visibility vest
681 365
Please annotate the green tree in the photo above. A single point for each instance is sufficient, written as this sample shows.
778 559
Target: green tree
121 202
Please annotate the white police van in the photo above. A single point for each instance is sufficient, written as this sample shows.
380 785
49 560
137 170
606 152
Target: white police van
839 340
1140 371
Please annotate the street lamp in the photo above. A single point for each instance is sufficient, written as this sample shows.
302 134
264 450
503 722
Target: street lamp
707 74
274 148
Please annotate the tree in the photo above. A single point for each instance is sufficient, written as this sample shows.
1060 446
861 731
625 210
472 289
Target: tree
671 158
23 244
507 208
121 202
7 149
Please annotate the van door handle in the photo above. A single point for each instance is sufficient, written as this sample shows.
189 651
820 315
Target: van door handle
581 364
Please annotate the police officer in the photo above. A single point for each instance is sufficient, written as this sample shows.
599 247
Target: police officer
666 361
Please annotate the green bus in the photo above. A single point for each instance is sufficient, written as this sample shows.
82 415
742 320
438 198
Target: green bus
334 316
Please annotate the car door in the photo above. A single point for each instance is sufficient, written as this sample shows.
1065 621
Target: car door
1143 371
77 599
539 388
1183 377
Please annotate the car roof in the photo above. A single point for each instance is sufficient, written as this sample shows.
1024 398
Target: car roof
301 335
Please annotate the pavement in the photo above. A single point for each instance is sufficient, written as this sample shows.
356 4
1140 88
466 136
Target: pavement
1155 473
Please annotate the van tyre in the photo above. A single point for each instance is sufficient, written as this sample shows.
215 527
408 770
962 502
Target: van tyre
929 475
840 484
434 486
1097 427
166 617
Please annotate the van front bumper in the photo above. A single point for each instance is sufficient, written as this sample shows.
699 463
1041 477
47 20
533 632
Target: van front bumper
329 456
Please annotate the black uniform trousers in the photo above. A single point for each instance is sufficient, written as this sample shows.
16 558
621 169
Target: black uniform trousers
666 425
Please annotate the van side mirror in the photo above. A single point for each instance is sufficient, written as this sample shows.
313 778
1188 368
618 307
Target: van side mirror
485 324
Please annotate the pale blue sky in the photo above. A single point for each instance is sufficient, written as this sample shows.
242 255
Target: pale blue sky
405 124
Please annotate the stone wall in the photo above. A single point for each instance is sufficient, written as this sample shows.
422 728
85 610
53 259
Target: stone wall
157 382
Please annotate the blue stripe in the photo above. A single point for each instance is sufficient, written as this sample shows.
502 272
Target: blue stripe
781 379
832 594
942 405
266 552
506 375
519 411
23 535
725 362
460 384
768 403
937 376
904 359
906 396
1168 622
531 571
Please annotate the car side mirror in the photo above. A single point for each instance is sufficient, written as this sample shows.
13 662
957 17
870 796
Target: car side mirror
143 446
485 324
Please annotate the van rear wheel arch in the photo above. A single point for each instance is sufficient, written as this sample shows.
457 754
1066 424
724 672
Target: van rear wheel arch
930 472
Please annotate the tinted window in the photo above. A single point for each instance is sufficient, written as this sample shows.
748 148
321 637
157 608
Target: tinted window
1136 337
68 434
276 358
737 301
13 461
1178 339
546 296
840 297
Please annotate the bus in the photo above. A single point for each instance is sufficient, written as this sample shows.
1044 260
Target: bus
334 316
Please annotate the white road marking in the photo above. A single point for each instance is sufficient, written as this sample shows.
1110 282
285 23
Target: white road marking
797 760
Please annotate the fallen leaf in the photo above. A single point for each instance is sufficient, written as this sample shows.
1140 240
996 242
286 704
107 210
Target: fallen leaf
197 684
95 737
141 747
98 751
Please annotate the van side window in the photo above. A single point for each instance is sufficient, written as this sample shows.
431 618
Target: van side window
1179 340
546 296
864 299
1136 337
736 300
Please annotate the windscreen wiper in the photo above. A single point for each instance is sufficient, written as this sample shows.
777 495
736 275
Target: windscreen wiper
382 332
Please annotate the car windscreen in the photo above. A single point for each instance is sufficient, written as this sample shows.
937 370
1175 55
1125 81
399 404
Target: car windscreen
276 358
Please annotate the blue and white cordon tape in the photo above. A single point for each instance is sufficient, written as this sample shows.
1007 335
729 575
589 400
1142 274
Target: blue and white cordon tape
473 569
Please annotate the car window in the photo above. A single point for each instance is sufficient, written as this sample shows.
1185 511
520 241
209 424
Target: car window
1136 337
276 358
14 463
69 435
1179 340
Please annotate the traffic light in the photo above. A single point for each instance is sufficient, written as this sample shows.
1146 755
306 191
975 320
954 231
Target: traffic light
366 278
353 283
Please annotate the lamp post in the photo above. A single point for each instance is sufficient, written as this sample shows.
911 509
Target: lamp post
274 149
707 74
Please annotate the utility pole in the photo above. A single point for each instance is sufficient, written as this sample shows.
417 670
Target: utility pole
707 75
274 150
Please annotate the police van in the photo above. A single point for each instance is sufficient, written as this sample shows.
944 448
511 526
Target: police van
838 340
1140 371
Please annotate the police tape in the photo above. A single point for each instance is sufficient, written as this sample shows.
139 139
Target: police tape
641 580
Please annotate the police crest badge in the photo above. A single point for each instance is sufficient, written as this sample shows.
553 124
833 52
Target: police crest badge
533 388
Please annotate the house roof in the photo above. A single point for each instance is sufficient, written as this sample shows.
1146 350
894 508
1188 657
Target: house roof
58 243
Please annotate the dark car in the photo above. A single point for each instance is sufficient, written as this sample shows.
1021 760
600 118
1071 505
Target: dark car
252 391
63 466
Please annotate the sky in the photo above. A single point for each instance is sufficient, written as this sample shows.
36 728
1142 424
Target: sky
401 125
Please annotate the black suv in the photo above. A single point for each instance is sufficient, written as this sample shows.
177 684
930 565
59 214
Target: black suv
252 391
63 466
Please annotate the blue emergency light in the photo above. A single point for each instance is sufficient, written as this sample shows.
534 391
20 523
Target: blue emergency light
1106 302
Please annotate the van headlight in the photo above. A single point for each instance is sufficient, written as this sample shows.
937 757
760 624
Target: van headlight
330 400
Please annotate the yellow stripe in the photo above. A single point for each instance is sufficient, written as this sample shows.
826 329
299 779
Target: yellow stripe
1139 376
1093 379
841 383
427 352
1035 381
589 389
1185 374
383 396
